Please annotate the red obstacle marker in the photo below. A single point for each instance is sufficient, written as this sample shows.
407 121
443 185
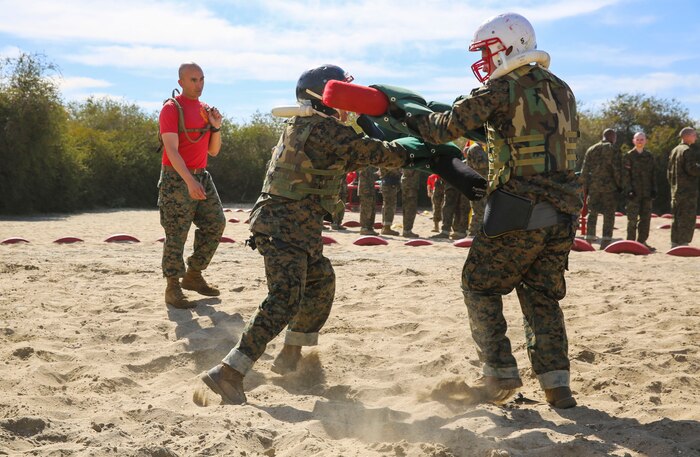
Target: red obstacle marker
234 220
667 216
627 247
464 242
227 210
122 238
68 240
161 239
378 225
418 243
665 226
582 246
351 224
328 240
697 225
684 251
14 240
247 221
618 214
370 240
225 239
654 215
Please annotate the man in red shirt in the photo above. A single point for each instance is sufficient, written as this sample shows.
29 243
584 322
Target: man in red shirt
189 129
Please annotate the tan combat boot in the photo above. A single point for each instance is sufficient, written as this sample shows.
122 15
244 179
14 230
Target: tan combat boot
174 296
193 280
560 397
386 230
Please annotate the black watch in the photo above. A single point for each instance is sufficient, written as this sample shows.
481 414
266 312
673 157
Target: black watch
214 129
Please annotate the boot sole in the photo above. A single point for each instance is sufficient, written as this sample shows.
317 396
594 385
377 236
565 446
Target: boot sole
564 403
206 294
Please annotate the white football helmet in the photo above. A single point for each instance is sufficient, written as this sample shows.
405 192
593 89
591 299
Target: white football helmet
507 41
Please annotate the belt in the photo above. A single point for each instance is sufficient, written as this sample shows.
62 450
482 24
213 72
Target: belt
544 215
194 171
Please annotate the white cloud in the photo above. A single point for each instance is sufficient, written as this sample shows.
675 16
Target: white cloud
10 52
79 83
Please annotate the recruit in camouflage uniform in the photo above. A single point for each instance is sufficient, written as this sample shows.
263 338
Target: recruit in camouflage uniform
531 148
455 214
437 197
337 222
602 182
368 199
639 184
391 180
410 182
479 161
683 172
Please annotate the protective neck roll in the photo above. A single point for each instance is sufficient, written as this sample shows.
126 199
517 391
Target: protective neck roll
525 58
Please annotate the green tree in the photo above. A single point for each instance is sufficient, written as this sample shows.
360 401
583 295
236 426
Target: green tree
36 173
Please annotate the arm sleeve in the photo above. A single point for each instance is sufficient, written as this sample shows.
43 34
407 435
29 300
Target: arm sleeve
168 119
691 162
468 114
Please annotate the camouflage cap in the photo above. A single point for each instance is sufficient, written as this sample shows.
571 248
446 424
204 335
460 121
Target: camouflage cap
686 131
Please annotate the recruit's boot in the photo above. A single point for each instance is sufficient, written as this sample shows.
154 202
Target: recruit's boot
604 243
226 382
443 234
193 280
457 235
560 397
386 230
174 296
496 390
409 234
287 360
367 231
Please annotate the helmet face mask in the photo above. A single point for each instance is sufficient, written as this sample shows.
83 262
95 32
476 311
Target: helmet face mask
312 82
501 39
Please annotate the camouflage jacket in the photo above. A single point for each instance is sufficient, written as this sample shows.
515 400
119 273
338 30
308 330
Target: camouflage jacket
601 169
491 106
683 170
300 222
638 173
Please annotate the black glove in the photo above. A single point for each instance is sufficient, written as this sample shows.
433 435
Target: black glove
460 176
369 127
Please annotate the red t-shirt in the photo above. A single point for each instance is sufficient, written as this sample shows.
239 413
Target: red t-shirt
431 181
196 117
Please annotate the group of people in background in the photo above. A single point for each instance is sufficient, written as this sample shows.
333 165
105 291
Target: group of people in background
606 174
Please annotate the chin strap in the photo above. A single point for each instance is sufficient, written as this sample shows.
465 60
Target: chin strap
525 58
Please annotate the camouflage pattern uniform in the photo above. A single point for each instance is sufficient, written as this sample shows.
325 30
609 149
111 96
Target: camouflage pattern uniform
177 213
531 155
683 171
368 196
343 194
287 232
602 183
391 180
410 182
479 161
639 184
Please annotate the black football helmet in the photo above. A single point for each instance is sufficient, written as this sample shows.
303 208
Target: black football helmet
312 82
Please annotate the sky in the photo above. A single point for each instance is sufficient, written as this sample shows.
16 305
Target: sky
252 52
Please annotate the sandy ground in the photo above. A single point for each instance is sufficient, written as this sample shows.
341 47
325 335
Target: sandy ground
94 363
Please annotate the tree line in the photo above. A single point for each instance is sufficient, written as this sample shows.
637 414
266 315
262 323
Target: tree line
101 153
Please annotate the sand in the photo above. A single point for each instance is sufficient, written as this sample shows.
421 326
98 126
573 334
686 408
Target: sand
94 363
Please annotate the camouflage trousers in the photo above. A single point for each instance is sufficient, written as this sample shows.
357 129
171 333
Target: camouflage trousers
410 181
684 218
437 200
532 262
455 211
603 203
390 193
367 196
178 211
300 292
638 219
343 193
477 218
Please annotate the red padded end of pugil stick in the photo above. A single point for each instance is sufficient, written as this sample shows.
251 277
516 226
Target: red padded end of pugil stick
355 98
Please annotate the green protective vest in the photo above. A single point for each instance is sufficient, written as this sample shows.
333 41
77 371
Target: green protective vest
544 124
291 174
